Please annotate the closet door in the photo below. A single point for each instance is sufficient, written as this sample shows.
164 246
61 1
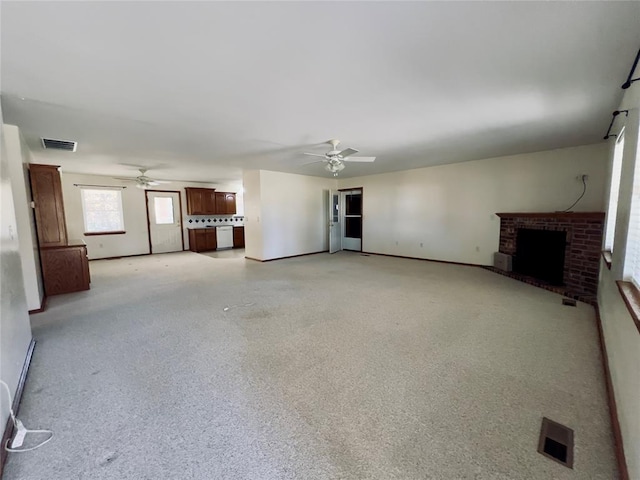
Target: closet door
46 189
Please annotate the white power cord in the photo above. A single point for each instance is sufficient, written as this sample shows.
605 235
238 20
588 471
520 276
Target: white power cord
229 307
21 431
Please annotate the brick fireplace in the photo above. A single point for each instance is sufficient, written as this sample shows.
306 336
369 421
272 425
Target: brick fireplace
583 245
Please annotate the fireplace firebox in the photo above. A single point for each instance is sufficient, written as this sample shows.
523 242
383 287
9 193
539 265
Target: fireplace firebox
540 254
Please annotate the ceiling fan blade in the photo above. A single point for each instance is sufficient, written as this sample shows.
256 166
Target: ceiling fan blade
161 181
130 179
314 154
315 161
359 159
348 151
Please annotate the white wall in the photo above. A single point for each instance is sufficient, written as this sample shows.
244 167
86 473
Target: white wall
18 157
450 209
136 239
252 215
621 336
15 330
289 215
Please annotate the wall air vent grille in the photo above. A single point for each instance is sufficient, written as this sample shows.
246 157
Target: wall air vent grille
51 144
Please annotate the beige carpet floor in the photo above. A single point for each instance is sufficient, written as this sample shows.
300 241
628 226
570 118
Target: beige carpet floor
186 366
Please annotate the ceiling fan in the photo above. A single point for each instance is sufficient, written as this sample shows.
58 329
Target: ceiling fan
334 158
142 181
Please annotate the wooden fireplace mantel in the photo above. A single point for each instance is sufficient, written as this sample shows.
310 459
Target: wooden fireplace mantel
593 215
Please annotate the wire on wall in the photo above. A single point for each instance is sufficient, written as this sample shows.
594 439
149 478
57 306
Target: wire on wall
584 190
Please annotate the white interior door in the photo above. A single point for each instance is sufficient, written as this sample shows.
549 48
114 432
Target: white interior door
335 232
165 226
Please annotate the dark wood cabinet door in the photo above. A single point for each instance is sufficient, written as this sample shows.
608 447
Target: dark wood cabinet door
65 269
221 207
195 201
201 241
238 237
230 203
46 189
211 241
201 201
210 202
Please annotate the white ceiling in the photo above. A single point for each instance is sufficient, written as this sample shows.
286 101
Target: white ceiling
200 91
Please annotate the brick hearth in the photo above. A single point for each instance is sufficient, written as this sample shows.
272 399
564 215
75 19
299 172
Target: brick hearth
582 254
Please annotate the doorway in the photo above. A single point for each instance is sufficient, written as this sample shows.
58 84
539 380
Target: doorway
164 217
352 219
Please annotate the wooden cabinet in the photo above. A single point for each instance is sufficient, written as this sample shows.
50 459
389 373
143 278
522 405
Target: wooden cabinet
46 189
238 237
202 239
65 266
230 203
201 201
65 269
206 201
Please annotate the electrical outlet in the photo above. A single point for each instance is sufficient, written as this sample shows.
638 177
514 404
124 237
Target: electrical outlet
477 249
421 245
396 242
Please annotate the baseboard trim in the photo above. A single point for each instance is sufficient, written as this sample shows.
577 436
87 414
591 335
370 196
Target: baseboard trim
282 258
8 429
425 259
611 397
43 306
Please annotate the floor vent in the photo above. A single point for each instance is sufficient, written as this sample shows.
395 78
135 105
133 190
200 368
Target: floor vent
570 302
51 144
364 255
556 442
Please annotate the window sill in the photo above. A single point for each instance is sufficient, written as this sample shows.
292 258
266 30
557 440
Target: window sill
631 296
91 234
606 254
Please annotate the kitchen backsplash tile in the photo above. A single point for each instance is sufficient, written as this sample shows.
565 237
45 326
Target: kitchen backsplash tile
197 220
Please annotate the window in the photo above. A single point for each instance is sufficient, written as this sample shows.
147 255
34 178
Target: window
612 210
102 211
163 209
632 260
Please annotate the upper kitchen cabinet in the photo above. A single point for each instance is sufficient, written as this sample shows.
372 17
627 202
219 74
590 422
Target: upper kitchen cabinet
201 201
206 201
46 189
225 203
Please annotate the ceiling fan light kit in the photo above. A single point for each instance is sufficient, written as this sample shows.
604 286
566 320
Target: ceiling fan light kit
334 158
142 181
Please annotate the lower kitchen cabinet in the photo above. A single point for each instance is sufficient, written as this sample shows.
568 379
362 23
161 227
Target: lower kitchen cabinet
202 239
238 237
65 269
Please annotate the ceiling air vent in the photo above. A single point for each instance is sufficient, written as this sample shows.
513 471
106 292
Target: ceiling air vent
49 143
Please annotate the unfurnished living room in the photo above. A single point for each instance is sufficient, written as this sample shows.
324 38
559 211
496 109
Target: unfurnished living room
320 240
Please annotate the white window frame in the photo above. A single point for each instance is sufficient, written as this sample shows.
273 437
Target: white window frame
94 231
614 191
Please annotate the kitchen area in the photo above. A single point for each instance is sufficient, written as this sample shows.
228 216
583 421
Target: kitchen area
211 220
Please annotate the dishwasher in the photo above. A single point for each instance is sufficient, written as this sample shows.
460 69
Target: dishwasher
224 237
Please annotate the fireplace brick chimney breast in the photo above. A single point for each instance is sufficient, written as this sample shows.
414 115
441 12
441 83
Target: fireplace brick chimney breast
582 253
